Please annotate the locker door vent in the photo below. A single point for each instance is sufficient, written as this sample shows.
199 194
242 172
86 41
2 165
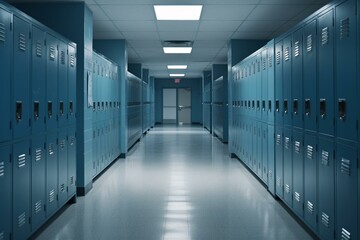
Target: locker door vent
22 42
270 61
72 140
51 149
38 49
2 237
278 139
52 53
287 54
38 207
287 142
21 160
258 66
324 36
297 196
72 182
51 196
278 56
325 158
278 181
310 207
270 174
2 169
2 32
21 219
309 43
344 28
72 60
325 219
287 188
345 166
297 147
345 235
38 154
297 49
62 144
309 152
62 57
62 188
264 64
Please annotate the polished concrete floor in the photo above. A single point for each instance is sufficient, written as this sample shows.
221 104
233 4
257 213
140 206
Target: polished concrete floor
178 183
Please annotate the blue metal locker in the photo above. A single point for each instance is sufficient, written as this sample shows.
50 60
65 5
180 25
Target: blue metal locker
63 98
297 79
271 159
62 166
326 189
287 61
21 78
38 81
259 149
264 152
5 71
278 105
72 84
21 190
258 90
51 173
326 74
288 166
5 190
52 82
254 152
346 68
346 191
264 86
279 167
271 82
38 184
310 177
309 70
298 172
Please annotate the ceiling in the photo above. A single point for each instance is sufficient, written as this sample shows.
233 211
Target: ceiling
221 20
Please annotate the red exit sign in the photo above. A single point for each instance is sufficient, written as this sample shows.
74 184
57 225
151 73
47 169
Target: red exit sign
177 80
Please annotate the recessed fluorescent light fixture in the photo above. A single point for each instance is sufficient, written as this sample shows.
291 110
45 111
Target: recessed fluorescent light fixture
179 50
177 66
177 75
178 12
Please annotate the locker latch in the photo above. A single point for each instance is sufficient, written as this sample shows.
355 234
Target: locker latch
18 111
253 104
269 105
61 108
258 105
98 104
36 110
285 106
263 105
277 105
307 107
342 108
94 106
322 107
71 107
295 106
50 109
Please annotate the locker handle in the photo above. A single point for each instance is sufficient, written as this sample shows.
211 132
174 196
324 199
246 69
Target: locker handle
253 104
277 105
98 104
61 108
94 106
49 109
307 107
258 105
322 107
342 109
102 106
245 104
263 106
285 106
269 105
295 106
71 110
18 111
36 110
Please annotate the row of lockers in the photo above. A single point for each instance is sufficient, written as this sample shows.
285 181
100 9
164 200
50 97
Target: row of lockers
37 177
207 100
207 116
38 77
303 85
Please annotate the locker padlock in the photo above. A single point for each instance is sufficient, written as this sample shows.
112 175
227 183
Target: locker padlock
307 106
322 108
36 110
18 111
342 109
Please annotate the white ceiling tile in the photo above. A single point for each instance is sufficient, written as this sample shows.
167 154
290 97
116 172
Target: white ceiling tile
122 1
226 12
212 25
258 26
134 26
177 35
218 35
209 43
145 43
108 35
104 26
98 13
251 35
141 35
307 12
129 12
186 26
276 12
294 2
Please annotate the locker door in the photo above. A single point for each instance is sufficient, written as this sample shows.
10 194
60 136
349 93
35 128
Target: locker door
271 82
259 150
38 186
254 147
72 85
51 173
278 107
345 65
326 190
288 188
52 82
279 162
298 172
21 190
271 159
5 71
63 106
62 167
287 60
71 162
297 79
264 86
265 156
326 74
310 187
5 190
346 192
258 92
21 78
38 81
310 51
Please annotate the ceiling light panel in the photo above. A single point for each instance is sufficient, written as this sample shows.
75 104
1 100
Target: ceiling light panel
177 75
177 66
178 12
177 50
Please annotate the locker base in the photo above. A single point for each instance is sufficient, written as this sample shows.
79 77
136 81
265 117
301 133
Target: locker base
82 191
